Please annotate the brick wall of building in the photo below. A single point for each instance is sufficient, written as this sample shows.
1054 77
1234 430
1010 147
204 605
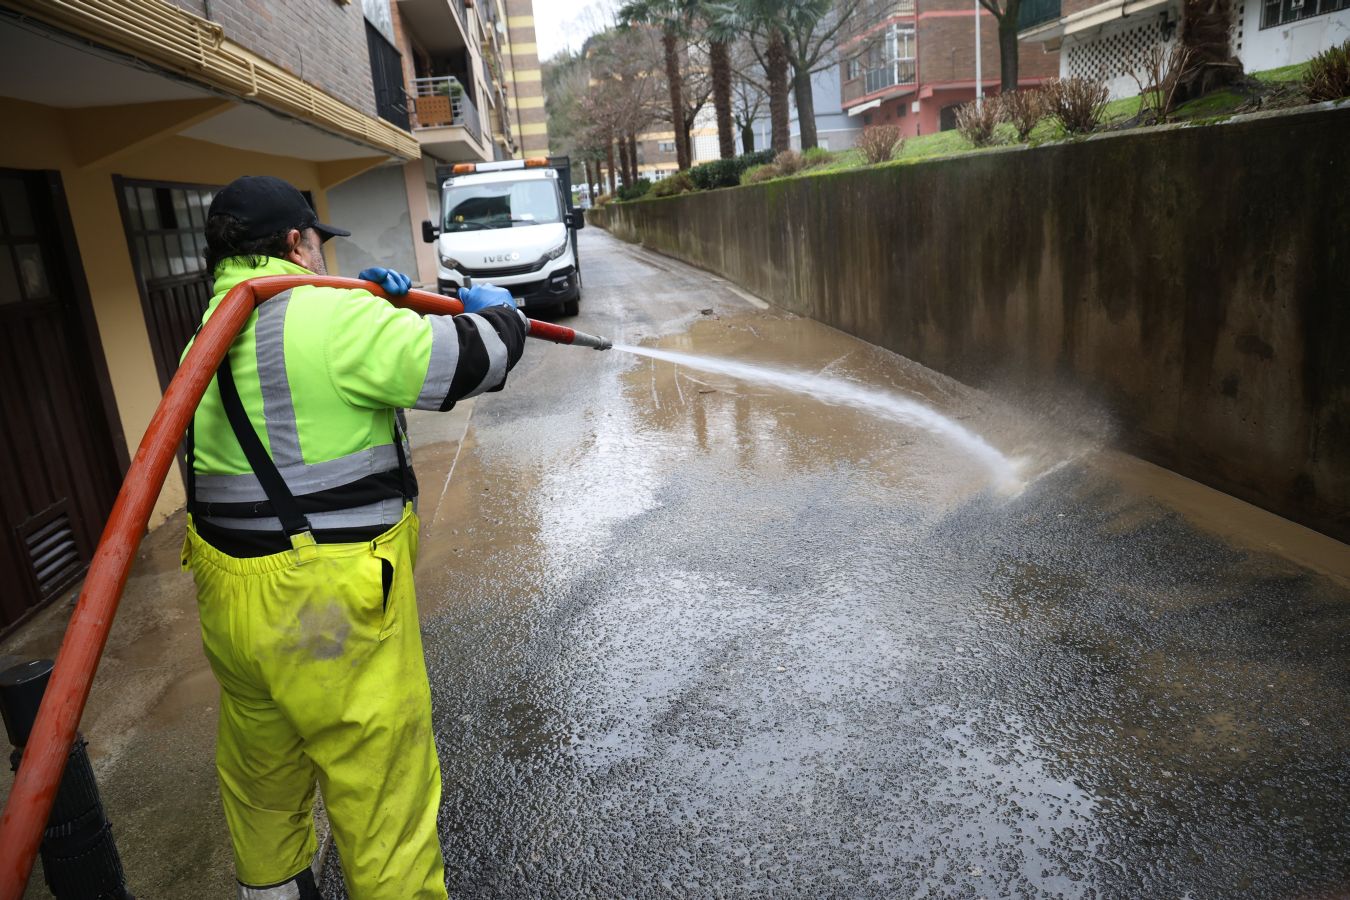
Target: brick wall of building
945 38
947 49
1069 7
320 41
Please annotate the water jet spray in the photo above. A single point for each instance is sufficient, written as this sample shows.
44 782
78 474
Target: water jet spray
1004 472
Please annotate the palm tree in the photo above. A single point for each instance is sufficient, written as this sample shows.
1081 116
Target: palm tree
807 39
721 32
672 17
1207 35
766 21
801 35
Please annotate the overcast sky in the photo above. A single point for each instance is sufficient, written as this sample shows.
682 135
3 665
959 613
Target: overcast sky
562 24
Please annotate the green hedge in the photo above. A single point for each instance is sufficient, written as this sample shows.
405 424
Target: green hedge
671 185
727 172
635 190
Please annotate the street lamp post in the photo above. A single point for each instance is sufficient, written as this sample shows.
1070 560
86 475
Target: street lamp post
979 74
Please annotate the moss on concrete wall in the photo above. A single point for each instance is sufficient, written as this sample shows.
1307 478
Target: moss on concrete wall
1194 281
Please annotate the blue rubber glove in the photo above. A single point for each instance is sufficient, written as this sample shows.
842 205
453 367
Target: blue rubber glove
396 284
481 296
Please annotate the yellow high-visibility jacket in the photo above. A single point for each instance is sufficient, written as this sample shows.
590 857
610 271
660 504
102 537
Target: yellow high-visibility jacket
322 373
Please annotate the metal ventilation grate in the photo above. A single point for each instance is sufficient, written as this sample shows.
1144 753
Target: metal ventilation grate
52 552
1116 54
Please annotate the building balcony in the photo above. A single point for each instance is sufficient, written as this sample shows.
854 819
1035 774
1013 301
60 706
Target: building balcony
1034 13
441 26
445 121
896 72
872 12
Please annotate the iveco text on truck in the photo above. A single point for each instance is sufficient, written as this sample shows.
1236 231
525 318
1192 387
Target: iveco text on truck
510 223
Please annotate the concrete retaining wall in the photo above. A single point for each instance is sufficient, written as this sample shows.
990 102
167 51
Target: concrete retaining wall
1193 281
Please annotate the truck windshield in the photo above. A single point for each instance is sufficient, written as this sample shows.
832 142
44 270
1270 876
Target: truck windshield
505 204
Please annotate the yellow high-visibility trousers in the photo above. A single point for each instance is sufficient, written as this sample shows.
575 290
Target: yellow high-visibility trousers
322 680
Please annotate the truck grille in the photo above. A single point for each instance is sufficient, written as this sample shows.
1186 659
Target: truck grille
524 269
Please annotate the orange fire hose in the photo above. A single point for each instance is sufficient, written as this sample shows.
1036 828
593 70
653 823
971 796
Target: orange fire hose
44 757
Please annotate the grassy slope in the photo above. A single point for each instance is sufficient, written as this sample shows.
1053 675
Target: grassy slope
1117 112
946 143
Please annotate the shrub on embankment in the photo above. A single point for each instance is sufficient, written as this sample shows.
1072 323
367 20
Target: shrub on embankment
1192 280
721 173
1328 74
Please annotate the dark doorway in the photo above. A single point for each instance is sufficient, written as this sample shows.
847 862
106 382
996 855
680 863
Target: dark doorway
59 466
166 231
947 117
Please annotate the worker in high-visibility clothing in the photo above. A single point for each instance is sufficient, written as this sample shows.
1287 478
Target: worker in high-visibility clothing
302 536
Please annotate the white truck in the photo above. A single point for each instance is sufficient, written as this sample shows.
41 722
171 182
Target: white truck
510 223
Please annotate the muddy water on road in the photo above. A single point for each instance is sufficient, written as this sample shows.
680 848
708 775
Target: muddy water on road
693 637
835 391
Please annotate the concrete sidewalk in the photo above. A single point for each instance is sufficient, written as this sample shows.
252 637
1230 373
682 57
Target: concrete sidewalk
151 716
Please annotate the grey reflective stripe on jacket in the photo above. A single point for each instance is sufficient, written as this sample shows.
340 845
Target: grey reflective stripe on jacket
283 434
448 356
283 438
381 512
305 478
496 355
441 367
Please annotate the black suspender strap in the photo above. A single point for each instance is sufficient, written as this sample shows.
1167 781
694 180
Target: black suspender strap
273 485
190 451
405 477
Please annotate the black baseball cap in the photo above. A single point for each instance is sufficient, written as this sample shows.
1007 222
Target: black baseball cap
268 205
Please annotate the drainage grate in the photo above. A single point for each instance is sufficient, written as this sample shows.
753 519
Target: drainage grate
53 554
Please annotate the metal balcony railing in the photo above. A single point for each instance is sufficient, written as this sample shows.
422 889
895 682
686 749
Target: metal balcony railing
870 12
900 71
1036 12
440 102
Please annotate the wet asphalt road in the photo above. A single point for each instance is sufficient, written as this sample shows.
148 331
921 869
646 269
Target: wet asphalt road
691 638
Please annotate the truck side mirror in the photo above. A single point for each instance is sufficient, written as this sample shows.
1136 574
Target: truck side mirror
429 232
576 220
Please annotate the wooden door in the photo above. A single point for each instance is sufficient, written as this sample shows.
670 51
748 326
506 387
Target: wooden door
59 471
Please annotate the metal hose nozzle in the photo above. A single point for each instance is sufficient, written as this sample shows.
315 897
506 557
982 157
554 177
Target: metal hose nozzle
595 342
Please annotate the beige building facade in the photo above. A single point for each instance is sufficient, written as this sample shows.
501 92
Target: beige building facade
131 118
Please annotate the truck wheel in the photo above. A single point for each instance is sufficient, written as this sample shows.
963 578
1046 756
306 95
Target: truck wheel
572 307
